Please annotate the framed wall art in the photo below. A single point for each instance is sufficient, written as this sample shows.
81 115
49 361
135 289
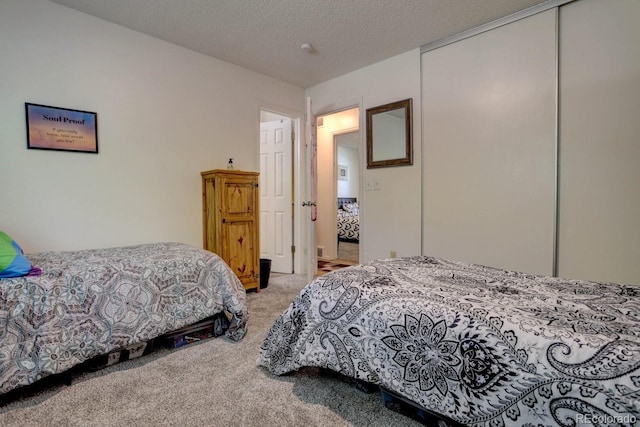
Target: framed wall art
62 129
343 173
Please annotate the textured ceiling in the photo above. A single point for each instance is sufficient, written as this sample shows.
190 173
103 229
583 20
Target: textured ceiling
266 35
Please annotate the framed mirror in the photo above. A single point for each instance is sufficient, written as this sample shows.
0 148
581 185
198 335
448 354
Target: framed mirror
389 130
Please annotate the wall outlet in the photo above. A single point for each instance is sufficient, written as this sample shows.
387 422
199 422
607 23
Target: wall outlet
393 254
320 251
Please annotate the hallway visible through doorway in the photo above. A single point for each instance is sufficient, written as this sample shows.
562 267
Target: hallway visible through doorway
325 267
348 251
347 256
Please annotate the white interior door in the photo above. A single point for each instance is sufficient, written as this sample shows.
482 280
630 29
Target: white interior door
276 195
312 190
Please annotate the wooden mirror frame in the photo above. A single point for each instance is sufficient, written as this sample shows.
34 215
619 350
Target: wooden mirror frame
407 159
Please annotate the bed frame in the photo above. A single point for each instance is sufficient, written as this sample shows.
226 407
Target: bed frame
344 200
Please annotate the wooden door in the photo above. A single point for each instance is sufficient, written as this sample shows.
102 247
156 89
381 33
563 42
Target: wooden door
239 227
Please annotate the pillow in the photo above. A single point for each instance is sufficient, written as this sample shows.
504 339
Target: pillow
13 263
351 207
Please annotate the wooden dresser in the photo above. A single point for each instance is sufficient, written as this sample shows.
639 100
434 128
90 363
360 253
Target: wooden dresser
230 221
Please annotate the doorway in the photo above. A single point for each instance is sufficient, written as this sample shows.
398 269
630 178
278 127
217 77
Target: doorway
329 129
279 144
347 158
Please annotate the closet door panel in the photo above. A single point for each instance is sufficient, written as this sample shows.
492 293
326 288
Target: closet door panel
489 114
599 204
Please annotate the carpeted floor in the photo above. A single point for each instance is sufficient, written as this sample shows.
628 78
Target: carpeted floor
215 382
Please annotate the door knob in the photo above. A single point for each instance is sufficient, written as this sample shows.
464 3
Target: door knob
308 203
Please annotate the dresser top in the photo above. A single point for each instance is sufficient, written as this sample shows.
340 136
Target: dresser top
228 172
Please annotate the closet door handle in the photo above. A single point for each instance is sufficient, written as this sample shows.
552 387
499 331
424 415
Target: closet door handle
224 220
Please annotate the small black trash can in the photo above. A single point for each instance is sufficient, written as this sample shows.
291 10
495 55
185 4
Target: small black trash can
265 270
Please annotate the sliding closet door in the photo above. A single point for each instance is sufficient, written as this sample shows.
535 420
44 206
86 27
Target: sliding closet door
489 114
599 221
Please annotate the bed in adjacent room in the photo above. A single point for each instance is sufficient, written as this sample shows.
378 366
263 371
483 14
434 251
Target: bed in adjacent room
471 344
348 220
89 303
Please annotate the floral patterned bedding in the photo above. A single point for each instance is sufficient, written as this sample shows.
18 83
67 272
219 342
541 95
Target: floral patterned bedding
88 303
473 344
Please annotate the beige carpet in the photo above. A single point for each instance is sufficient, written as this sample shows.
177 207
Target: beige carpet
212 383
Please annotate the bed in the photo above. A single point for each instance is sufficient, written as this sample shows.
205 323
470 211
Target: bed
92 302
471 344
348 220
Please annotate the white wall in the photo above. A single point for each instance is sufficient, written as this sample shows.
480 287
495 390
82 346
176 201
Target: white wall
164 115
390 218
350 158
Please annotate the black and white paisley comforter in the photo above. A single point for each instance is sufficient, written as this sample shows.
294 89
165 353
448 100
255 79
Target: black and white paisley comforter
89 303
481 346
348 226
